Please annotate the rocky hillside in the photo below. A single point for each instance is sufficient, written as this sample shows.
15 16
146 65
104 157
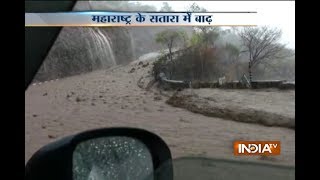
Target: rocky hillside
79 50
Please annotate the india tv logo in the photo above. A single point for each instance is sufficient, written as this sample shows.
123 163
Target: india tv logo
256 148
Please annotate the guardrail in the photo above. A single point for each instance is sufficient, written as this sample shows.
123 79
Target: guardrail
242 84
174 84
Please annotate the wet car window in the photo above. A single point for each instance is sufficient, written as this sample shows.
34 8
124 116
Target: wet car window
112 158
207 89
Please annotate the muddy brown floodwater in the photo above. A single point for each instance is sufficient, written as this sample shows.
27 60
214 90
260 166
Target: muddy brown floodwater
109 98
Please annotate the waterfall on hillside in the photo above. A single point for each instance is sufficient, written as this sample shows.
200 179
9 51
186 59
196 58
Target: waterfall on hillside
100 48
132 45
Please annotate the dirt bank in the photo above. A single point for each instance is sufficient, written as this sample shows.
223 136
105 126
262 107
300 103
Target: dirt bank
270 107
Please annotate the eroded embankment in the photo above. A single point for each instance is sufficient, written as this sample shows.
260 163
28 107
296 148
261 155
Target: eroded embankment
266 107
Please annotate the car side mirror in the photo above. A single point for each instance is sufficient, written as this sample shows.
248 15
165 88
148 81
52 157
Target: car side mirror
112 153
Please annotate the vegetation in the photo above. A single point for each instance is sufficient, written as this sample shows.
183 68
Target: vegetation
170 39
211 53
204 53
261 44
166 7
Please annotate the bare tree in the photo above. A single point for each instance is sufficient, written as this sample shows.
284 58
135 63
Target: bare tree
261 44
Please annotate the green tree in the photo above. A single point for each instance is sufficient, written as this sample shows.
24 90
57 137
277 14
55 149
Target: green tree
171 38
194 7
204 37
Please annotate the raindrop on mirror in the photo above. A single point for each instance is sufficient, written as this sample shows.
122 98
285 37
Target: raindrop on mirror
108 158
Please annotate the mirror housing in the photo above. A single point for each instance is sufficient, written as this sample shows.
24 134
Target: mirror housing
54 161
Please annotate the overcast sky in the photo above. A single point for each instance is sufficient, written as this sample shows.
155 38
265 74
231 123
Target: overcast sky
273 13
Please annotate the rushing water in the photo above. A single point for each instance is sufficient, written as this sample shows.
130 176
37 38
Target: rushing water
101 47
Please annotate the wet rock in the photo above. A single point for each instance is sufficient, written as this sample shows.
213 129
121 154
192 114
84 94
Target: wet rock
145 65
157 98
51 136
78 99
132 70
